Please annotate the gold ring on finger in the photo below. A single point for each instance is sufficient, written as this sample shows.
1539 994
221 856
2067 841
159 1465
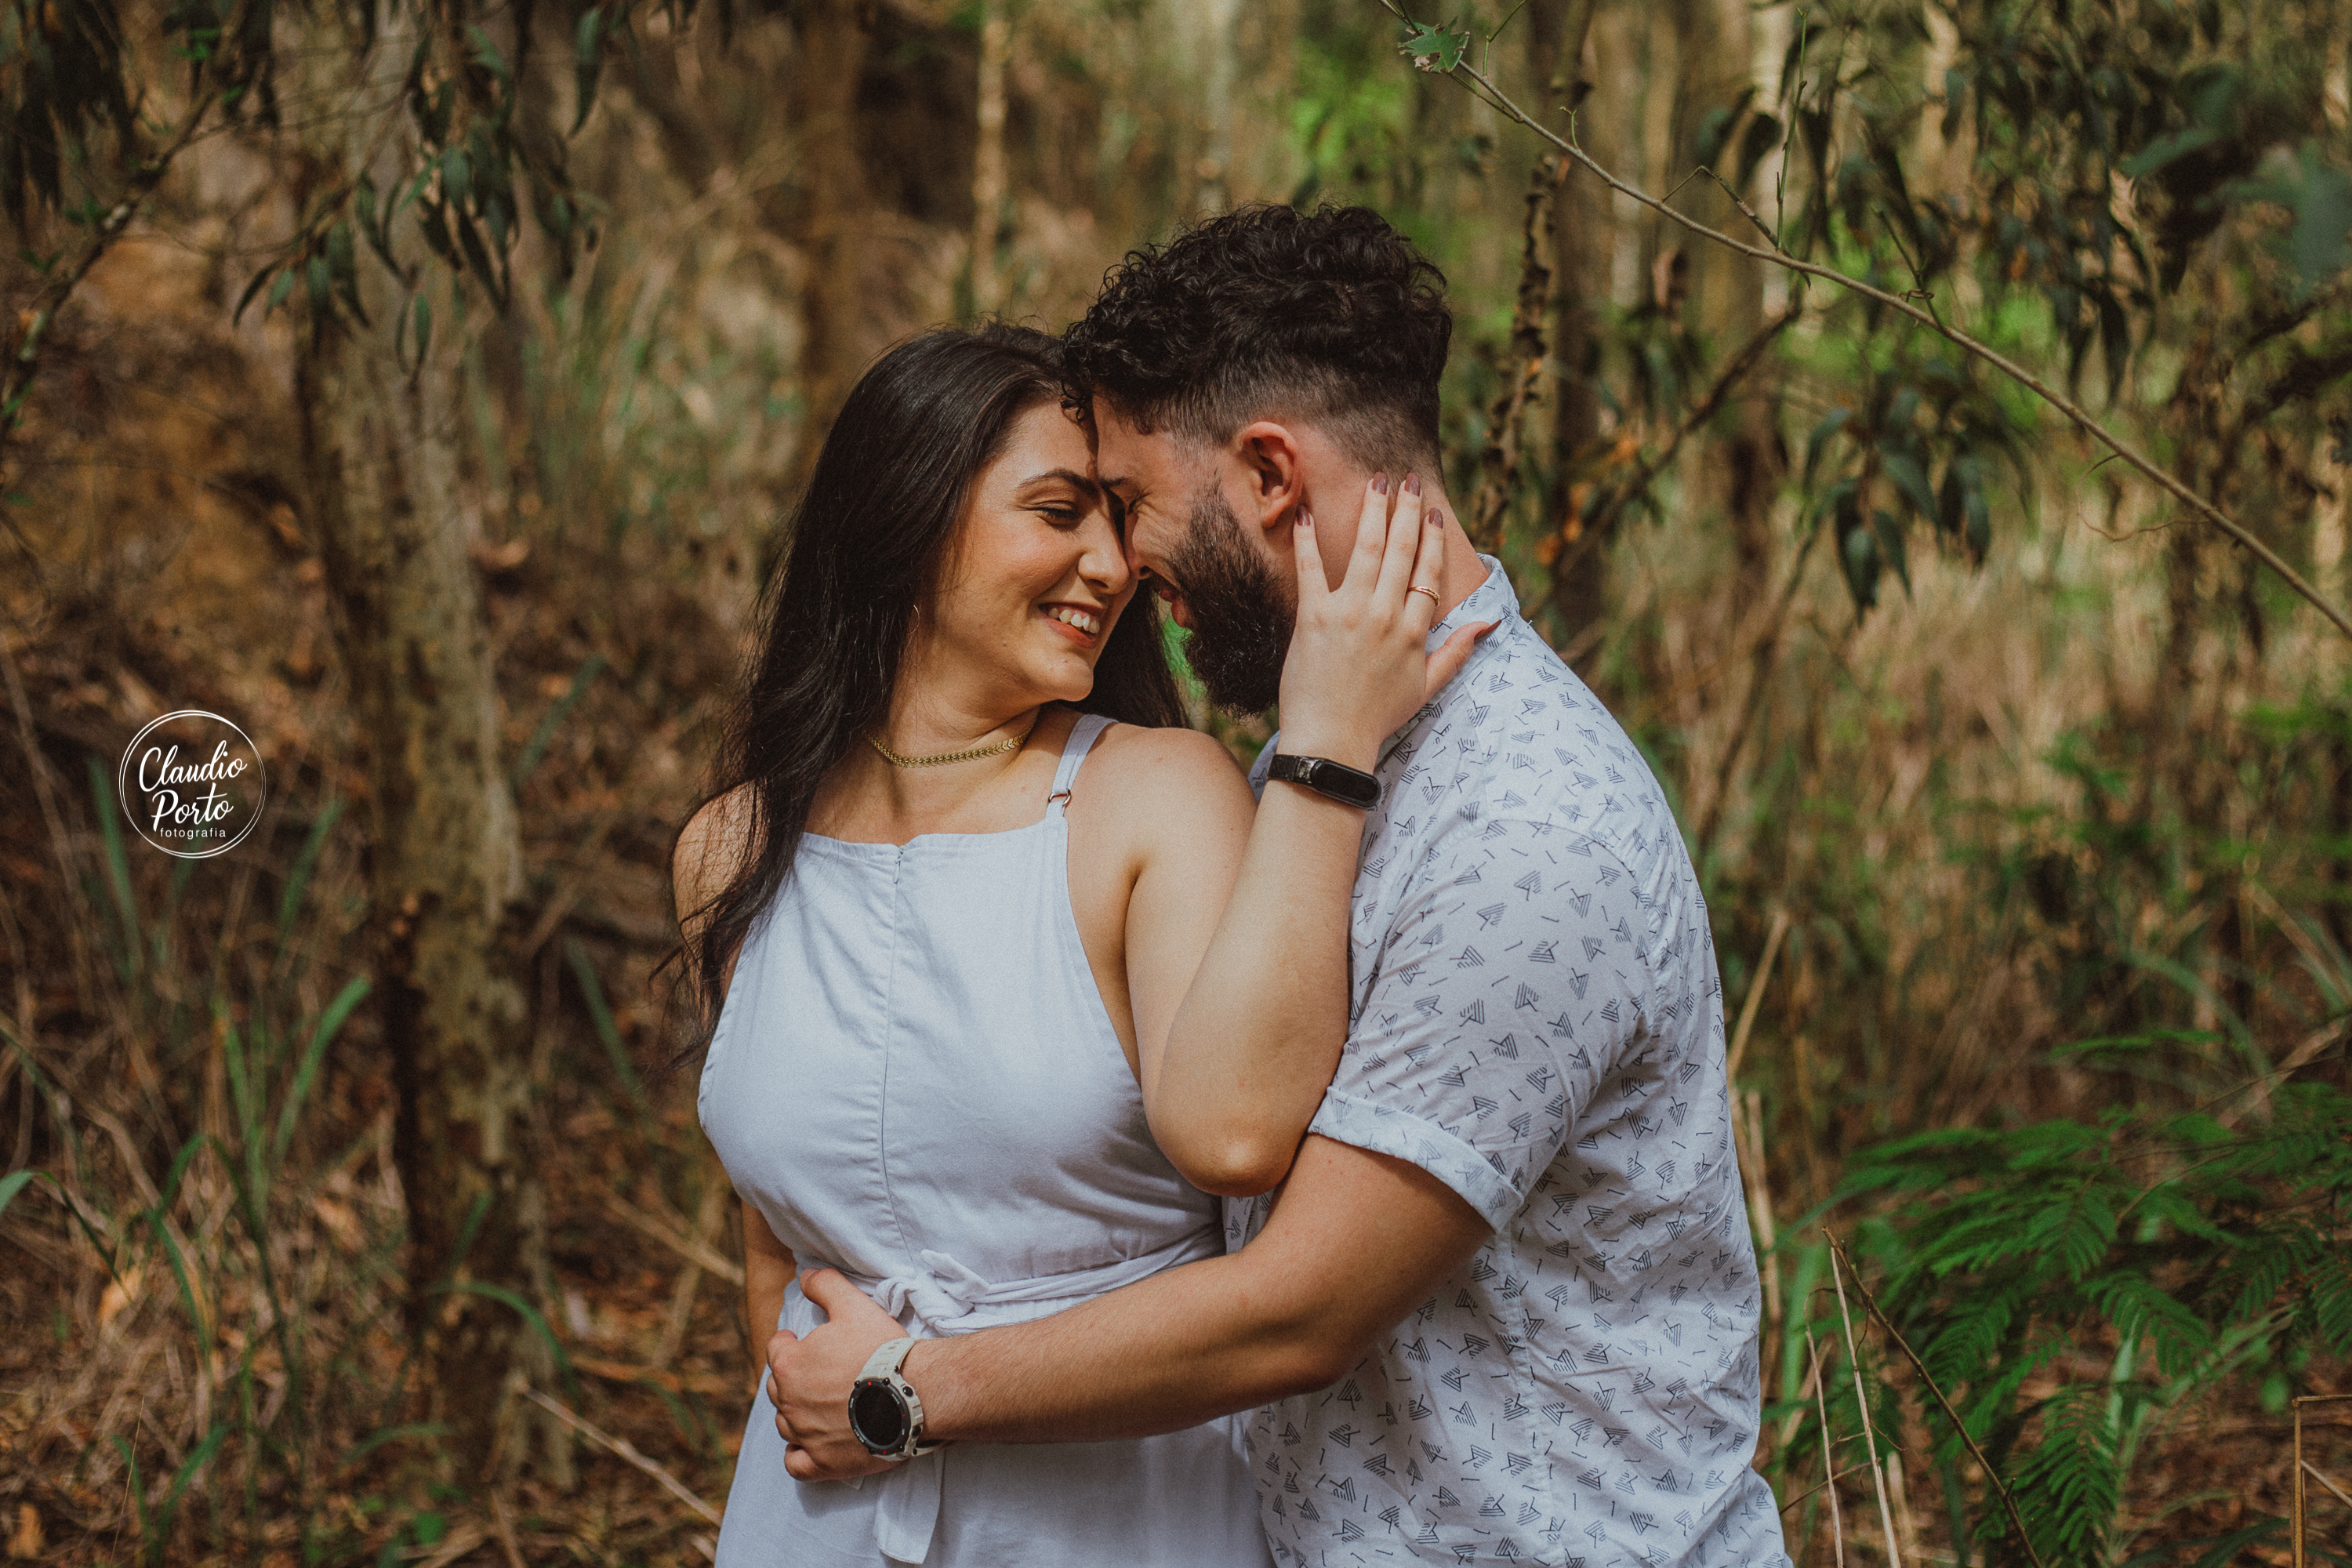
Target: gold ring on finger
1424 588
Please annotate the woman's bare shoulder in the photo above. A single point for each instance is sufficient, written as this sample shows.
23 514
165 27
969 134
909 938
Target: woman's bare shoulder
1145 748
1169 778
713 847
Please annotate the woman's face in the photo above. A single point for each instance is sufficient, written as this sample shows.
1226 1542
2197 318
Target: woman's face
1036 574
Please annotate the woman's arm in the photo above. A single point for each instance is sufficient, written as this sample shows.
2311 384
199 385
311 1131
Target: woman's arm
1237 968
1232 1085
709 850
768 1267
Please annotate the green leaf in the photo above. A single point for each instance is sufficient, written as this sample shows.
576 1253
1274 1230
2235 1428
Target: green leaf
2319 195
1763 133
260 280
1908 478
544 735
289 1115
2323 216
118 868
1978 536
1434 46
2114 339
2164 149
588 60
1889 530
160 1542
1857 554
1831 422
530 1315
486 56
592 990
1714 128
305 861
421 313
14 1183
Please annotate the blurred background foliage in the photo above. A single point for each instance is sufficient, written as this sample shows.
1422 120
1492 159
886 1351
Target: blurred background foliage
2023 800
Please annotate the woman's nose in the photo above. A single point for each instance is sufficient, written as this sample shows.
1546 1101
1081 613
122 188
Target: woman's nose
1105 563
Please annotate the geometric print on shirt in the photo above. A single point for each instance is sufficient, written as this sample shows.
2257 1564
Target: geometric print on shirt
1536 1020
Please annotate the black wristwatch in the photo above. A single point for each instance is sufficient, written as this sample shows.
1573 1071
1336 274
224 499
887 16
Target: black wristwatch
1333 781
885 1414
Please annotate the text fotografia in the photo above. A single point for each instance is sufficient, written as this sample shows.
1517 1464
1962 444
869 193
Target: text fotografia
192 783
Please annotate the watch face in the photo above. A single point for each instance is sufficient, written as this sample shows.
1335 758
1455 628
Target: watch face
1345 783
1334 780
877 1417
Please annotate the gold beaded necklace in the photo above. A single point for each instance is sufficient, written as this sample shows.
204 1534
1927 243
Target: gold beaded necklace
970 753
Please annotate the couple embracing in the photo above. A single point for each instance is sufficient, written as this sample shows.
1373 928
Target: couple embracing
1135 1174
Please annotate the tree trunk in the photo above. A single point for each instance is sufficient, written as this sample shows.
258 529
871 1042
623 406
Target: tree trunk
1580 231
1731 298
988 157
823 126
444 854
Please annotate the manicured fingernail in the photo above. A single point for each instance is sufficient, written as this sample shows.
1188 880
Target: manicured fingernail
1437 518
1305 518
1412 484
1380 484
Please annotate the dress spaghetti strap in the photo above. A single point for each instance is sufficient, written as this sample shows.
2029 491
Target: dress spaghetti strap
1083 735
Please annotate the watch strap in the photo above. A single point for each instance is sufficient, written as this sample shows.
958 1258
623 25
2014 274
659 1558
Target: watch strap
883 1367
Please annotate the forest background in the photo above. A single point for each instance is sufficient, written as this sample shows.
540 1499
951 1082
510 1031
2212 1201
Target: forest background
425 386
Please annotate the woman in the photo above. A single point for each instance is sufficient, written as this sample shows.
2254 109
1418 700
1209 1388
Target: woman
948 915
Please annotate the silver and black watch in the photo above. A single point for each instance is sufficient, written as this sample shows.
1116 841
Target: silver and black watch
1333 781
884 1413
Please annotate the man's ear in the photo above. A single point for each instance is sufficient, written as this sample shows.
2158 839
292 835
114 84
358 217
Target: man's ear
1272 463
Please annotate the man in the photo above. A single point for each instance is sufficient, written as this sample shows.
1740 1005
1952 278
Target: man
1506 1308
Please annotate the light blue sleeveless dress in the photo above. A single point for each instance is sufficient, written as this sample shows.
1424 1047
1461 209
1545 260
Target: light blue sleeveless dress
914 1080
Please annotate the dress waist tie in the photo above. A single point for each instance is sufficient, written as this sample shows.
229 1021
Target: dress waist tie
907 1503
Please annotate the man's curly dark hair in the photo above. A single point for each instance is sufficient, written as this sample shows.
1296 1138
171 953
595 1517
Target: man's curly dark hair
1330 316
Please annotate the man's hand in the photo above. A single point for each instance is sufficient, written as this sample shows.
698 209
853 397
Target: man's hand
809 1379
1357 668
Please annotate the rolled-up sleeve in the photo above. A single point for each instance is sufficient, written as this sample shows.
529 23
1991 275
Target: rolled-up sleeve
1515 973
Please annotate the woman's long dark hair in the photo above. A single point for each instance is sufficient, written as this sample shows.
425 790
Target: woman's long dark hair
866 546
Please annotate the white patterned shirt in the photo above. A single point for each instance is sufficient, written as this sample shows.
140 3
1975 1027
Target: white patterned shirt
1536 1021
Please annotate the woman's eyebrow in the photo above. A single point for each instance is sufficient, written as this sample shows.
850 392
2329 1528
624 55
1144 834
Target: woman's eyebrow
1070 476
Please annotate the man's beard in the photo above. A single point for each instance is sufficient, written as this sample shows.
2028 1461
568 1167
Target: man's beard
1243 613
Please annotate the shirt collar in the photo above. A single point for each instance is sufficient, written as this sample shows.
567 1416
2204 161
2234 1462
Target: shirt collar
1492 600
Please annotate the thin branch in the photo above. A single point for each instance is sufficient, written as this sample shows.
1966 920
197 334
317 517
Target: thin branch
622 1448
2317 1476
693 1248
507 1542
1524 373
1756 992
1483 87
1829 1448
1809 1491
24 354
1735 370
1870 1302
1862 1403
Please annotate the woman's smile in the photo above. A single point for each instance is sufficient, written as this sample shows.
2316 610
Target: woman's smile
1082 624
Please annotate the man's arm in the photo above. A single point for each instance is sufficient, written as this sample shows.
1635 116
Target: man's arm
1356 1242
